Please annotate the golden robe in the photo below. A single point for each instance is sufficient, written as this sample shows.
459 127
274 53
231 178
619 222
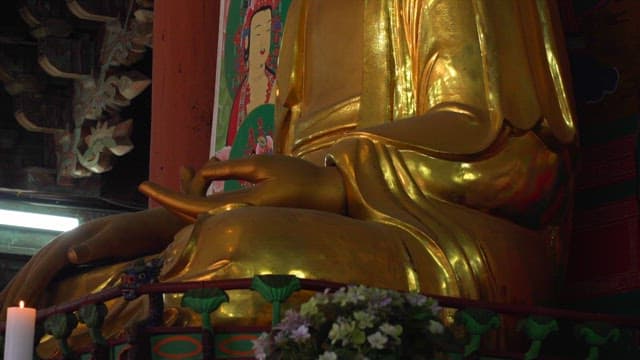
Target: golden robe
497 65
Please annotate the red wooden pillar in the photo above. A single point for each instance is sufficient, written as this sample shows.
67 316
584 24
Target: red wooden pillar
185 36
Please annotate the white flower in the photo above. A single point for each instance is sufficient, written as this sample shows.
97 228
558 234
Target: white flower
323 298
392 330
363 319
340 297
328 355
341 330
350 295
377 340
309 308
260 355
435 327
416 299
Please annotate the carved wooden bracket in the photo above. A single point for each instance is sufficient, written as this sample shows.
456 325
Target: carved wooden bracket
89 44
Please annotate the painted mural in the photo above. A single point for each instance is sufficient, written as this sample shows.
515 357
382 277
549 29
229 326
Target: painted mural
246 85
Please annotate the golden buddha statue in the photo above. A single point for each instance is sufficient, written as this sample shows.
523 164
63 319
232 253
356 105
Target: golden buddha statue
424 146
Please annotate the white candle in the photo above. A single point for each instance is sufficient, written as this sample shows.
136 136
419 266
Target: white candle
18 337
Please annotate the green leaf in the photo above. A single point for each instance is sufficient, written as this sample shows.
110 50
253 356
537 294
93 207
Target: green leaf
423 315
358 337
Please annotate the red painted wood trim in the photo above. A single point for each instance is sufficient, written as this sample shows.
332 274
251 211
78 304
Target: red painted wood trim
185 38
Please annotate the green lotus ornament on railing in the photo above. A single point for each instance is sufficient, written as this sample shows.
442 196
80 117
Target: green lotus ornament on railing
276 289
60 327
596 335
204 302
93 316
477 322
537 328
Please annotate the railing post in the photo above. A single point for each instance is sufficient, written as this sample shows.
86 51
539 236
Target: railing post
93 316
204 302
276 289
141 273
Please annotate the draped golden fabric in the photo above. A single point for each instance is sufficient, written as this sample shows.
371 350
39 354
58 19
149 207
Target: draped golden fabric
497 63
500 58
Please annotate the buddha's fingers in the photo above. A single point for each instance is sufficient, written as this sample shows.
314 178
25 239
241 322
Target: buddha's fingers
186 179
253 169
189 207
186 206
193 182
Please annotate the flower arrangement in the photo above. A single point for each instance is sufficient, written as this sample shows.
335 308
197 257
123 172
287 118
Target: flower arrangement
356 322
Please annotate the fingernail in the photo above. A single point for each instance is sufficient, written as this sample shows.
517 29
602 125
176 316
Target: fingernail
78 254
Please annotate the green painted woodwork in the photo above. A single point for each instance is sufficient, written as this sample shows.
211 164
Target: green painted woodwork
93 316
60 327
537 328
204 302
275 289
596 335
116 350
477 322
176 346
235 345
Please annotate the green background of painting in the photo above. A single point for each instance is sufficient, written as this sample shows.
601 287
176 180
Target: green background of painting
240 146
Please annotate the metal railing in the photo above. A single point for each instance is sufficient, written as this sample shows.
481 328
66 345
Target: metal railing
598 333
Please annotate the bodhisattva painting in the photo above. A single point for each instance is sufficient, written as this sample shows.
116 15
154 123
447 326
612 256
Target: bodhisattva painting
246 92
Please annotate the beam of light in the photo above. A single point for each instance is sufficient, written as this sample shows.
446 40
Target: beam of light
37 221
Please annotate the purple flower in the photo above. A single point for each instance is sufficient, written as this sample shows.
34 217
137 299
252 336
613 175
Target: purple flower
380 303
262 346
300 334
292 320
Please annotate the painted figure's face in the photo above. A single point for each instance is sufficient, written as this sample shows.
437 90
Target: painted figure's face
260 38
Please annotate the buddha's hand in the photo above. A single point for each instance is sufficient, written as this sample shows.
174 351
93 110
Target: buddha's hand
278 181
116 237
193 182
32 280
